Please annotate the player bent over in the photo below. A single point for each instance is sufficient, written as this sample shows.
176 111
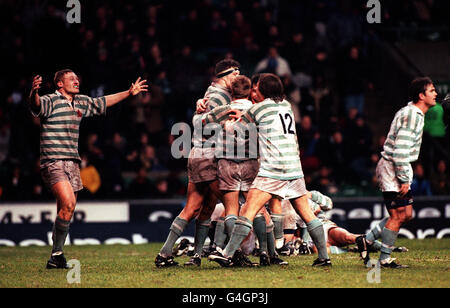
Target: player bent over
394 171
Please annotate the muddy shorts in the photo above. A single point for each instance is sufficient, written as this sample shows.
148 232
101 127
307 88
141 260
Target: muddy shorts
202 165
61 171
236 175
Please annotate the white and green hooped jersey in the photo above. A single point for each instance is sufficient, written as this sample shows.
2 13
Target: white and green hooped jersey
277 138
403 141
279 153
216 96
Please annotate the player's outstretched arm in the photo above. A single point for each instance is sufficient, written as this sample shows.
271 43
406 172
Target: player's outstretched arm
34 99
136 88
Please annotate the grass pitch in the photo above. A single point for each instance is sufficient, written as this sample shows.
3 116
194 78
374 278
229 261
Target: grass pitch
133 266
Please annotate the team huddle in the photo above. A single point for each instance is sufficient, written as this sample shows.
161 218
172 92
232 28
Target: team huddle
273 178
246 157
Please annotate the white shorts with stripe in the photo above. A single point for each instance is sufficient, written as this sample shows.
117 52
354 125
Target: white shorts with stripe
289 189
385 172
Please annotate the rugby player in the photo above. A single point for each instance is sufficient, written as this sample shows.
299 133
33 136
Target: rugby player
280 174
202 168
394 171
61 114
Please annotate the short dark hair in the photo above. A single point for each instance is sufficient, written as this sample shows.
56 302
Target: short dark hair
255 79
59 75
271 87
241 86
419 85
226 64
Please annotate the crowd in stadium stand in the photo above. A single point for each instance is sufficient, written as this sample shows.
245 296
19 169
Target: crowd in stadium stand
320 49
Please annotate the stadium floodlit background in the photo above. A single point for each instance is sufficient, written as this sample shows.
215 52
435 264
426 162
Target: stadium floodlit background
344 77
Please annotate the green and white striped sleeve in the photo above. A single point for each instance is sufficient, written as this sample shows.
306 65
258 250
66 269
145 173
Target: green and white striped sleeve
404 148
323 201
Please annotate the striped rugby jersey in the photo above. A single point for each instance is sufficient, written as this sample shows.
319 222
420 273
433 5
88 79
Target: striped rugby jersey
321 201
403 141
277 138
60 124
243 149
217 96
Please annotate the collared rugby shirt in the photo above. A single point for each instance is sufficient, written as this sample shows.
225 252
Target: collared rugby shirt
60 124
403 141
277 138
217 96
238 147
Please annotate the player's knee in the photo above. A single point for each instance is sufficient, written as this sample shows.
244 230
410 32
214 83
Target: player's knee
349 239
66 210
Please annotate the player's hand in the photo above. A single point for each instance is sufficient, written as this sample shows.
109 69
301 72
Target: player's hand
234 114
404 188
228 125
37 81
201 105
138 87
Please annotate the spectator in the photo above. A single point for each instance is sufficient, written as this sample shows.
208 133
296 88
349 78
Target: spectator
274 64
141 186
420 186
353 78
149 160
440 179
90 178
323 182
309 142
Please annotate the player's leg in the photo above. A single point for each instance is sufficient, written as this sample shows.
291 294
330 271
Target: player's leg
314 227
220 234
276 213
340 237
255 201
370 240
260 225
398 216
271 248
66 201
64 180
229 184
231 203
195 196
202 226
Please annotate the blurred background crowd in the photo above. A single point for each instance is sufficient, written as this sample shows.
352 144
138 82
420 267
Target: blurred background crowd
326 53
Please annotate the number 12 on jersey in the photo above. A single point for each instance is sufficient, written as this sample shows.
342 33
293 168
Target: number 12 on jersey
287 118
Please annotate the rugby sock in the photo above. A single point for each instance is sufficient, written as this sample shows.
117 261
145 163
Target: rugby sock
305 235
388 238
259 226
176 229
242 228
220 236
337 250
271 241
60 231
376 245
315 230
375 233
230 220
201 232
278 229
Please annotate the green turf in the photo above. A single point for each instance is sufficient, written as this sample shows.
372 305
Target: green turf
133 266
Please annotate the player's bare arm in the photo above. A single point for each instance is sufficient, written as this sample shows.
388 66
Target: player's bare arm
136 88
34 95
